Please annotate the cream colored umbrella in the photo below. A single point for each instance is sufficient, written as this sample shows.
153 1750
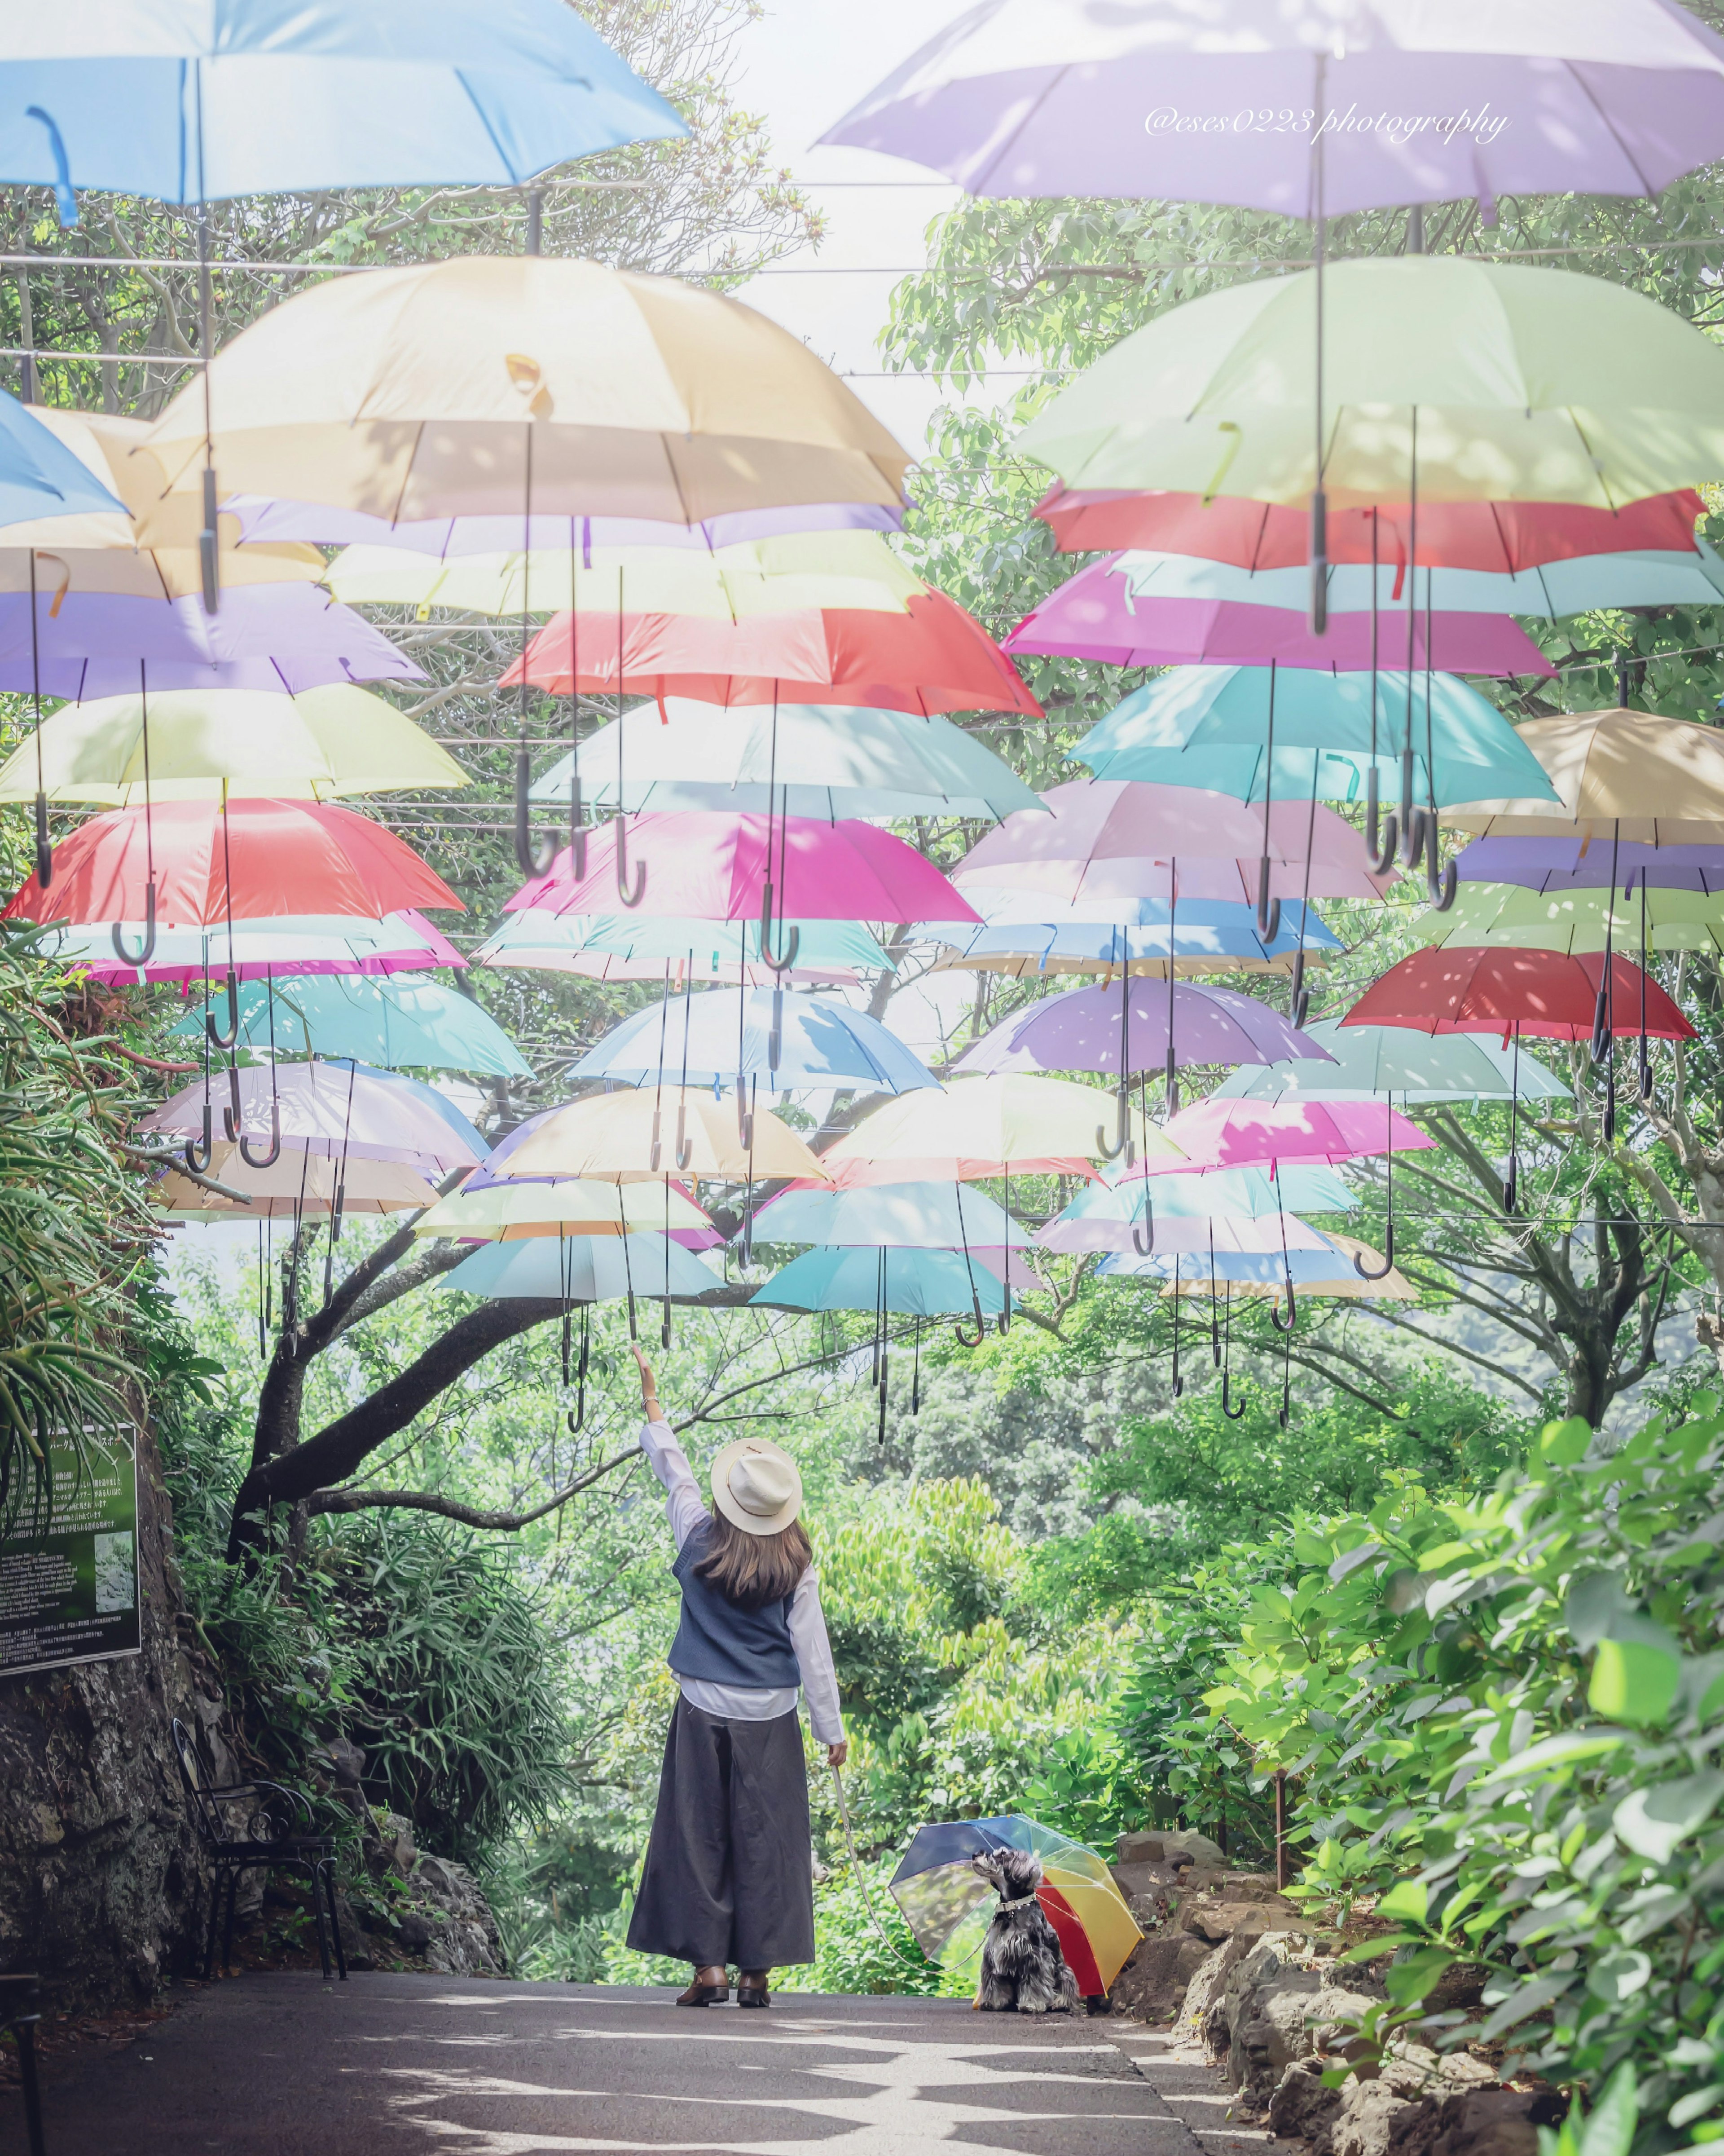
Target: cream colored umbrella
295 1182
1019 1123
1627 775
482 385
854 570
658 1132
520 1212
203 744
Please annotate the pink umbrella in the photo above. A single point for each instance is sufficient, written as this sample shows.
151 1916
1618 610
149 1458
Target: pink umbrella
1094 616
293 944
718 867
1184 1233
1258 1133
1123 838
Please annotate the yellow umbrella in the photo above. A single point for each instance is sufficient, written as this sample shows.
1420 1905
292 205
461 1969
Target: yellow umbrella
627 1138
204 744
516 1212
295 1182
1019 1123
1578 921
855 570
423 393
1628 775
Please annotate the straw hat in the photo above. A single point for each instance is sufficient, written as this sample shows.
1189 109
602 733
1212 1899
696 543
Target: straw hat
757 1486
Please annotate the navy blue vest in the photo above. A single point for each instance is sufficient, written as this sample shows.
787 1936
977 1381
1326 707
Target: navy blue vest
720 1644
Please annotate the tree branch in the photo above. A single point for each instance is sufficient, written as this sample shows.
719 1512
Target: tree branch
469 1515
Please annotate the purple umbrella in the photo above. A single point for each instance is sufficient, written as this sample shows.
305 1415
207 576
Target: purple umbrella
1093 615
261 518
1560 865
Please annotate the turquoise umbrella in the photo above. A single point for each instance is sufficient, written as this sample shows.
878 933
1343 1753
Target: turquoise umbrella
927 1216
1392 1059
397 1020
1246 1194
582 1269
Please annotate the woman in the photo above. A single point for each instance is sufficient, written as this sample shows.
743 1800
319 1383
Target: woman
729 1875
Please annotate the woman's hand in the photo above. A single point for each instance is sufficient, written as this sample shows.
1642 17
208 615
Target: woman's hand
648 1390
836 1755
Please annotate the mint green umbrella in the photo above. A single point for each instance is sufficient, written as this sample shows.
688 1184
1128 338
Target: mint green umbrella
1416 1069
397 1020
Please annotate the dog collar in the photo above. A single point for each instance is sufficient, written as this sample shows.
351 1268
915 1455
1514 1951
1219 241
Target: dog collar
1022 1902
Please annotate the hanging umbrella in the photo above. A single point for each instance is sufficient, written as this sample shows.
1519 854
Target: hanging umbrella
1503 538
405 1019
501 1212
1218 1236
1584 863
1096 615
245 859
1340 1269
333 1109
1119 1034
612 947
622 1138
404 942
41 479
583 1269
1176 1210
1253 1133
917 1283
1028 936
600 541
1019 1124
898 1215
196 745
948 1907
1388 1060
783 1040
1618 775
796 760
295 1185
779 575
1546 995
932 657
1576 920
1550 591
731 868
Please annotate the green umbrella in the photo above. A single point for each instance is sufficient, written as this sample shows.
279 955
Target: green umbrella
1581 921
397 1020
1421 1069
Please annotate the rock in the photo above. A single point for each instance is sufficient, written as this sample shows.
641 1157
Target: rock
1301 2109
1135 1880
1403 2110
1209 1919
1271 2012
1494 2121
1152 1986
1208 1981
1139 1849
1183 1844
1371 2118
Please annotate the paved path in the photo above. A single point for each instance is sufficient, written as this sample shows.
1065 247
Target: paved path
285 2066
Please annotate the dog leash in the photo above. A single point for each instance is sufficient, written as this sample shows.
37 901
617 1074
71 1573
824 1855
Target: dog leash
885 1936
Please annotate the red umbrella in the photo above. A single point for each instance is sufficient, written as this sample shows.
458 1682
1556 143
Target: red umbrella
243 861
1503 536
933 658
1548 995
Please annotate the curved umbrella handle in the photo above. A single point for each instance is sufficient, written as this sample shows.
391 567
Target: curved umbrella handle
793 942
1232 1413
1143 1250
1269 910
1383 859
1292 1317
745 1116
1412 838
44 849
1123 1127
230 1037
1610 1101
200 1151
1645 1072
575 1416
631 894
533 859
653 1156
1381 1271
685 1145
265 1159
1511 1182
146 949
233 1114
964 1339
1440 878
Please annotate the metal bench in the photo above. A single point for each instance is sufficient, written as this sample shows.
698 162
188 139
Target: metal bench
240 1832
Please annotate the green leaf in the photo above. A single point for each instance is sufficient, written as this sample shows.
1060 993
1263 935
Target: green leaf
1526 1998
1695 2105
1618 1976
1610 2130
1594 1602
1406 1901
1652 1822
1632 1682
1555 1751
1564 1443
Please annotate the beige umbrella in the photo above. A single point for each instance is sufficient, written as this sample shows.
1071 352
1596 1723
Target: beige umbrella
472 386
211 744
656 1133
518 1212
295 1182
1629 775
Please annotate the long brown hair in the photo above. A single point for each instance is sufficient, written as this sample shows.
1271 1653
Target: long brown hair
752 1570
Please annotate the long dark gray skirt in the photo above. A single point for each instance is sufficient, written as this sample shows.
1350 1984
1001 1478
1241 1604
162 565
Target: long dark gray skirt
729 1876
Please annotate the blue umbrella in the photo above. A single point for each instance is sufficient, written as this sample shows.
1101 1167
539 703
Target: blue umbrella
781 1037
582 1269
1214 935
1248 1194
943 1216
399 1018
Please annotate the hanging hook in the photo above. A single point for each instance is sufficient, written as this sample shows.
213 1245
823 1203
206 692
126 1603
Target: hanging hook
146 949
1382 861
534 860
1123 1129
199 1152
1232 1413
1269 910
630 897
964 1339
218 1037
685 1146
1440 876
265 1159
1143 1250
1381 1271
1292 1318
793 941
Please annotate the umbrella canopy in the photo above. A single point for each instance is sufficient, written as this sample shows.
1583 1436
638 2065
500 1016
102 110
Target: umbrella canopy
1180 1209
405 1019
719 867
785 1039
1243 1274
622 1138
1224 1235
1694 577
1502 537
335 1110
1096 615
1128 1031
597 540
851 569
524 1212
1367 1061
1517 384
1587 864
296 1182
332 97
582 1269
1109 839
249 859
1198 727
1616 775
1018 1124
916 1283
1253 1133
677 949
1208 936
932 657
948 1907
296 944
1597 920
1545 995
42 480
203 744
1056 97
415 392
794 759
941 1216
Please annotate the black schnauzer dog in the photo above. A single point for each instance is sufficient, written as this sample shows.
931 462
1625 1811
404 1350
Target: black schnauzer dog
1023 1969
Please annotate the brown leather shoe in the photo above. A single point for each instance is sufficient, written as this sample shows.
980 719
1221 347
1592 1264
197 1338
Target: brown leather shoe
753 1995
705 1994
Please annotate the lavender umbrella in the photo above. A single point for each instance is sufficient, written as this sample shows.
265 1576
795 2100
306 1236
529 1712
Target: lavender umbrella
1559 865
1095 615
